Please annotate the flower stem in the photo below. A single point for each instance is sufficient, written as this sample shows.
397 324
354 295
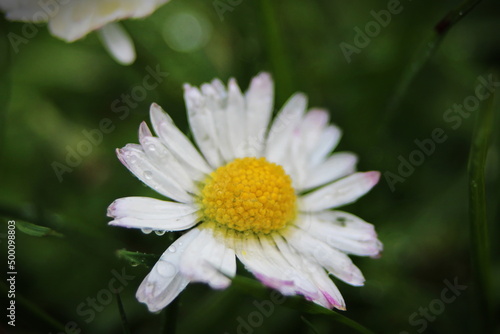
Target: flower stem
123 315
478 216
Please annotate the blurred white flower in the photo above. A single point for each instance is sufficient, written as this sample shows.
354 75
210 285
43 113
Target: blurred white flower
259 191
71 20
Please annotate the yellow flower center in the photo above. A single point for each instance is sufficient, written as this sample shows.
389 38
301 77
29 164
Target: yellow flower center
249 194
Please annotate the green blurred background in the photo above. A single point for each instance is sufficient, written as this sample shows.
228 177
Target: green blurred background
51 92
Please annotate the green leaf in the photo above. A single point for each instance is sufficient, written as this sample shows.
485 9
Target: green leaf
36 230
136 258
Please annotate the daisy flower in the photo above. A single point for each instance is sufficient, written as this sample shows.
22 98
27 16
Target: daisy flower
253 190
71 20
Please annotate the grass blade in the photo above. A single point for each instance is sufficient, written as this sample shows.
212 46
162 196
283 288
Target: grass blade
478 215
428 50
277 54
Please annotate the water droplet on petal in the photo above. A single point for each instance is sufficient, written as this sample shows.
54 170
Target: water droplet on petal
133 160
148 175
172 249
146 230
159 232
166 269
151 148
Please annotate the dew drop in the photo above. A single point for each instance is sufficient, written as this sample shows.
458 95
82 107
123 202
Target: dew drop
146 230
151 148
160 232
165 269
133 160
172 249
148 175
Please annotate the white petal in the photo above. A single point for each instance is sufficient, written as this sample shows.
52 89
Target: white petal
74 20
303 141
263 259
176 141
71 20
336 166
201 108
236 119
326 293
143 8
118 43
165 282
164 160
145 212
283 126
331 294
289 266
300 273
343 231
219 103
313 124
327 142
259 106
27 10
333 260
251 254
341 192
208 260
137 162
